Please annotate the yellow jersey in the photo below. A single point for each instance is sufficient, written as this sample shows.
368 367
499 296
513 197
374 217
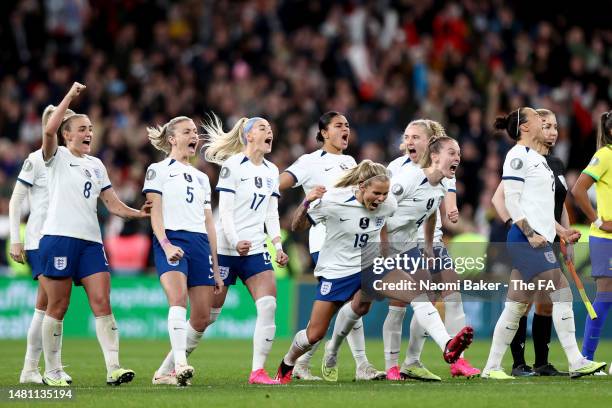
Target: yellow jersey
600 169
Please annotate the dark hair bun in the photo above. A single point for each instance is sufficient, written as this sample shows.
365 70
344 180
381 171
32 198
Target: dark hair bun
320 137
501 123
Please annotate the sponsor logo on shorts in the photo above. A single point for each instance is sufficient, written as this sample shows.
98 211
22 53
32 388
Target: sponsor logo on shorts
326 288
60 262
175 263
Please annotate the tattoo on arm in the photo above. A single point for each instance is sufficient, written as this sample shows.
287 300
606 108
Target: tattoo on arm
526 228
300 221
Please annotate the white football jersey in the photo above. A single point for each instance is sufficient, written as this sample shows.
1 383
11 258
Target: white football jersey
319 168
537 201
352 232
74 186
185 193
253 186
34 175
416 199
395 167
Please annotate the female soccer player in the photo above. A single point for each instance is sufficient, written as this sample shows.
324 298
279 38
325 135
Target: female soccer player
323 167
542 320
355 213
248 201
416 138
599 172
184 244
71 246
32 182
529 190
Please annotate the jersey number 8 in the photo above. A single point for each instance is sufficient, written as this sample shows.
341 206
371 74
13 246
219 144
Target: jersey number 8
87 189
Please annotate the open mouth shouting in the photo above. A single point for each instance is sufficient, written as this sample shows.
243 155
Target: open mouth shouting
453 168
268 142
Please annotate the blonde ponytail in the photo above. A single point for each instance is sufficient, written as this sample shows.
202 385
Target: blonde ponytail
434 146
365 173
158 135
46 115
220 145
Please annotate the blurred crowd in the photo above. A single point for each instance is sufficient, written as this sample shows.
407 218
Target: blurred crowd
382 63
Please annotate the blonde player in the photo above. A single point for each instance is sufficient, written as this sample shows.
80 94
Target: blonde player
71 246
248 201
416 137
324 167
529 189
184 244
354 213
32 182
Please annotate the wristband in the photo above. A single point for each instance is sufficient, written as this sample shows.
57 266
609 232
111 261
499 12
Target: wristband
508 223
306 204
278 246
165 242
598 222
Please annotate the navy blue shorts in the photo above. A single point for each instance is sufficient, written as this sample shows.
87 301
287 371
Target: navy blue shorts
338 290
412 260
315 257
601 257
33 256
441 261
196 263
529 261
67 257
243 267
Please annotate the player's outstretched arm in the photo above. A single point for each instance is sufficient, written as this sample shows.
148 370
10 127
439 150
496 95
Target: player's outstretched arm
49 145
498 202
300 221
119 208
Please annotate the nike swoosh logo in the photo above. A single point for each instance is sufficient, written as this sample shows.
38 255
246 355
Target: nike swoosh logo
510 328
565 318
211 276
56 335
329 169
113 328
429 314
536 165
270 340
342 220
394 352
244 179
74 165
173 175
178 328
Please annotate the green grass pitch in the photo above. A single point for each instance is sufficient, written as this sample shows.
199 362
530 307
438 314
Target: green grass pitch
222 368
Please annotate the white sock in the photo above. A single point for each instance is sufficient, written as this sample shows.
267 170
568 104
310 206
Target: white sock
299 346
265 328
214 315
429 319
345 321
108 337
52 343
193 339
356 342
392 335
563 319
418 335
454 317
505 329
177 329
306 357
34 342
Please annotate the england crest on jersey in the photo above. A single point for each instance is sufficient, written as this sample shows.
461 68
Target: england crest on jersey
60 262
269 183
326 288
379 222
98 173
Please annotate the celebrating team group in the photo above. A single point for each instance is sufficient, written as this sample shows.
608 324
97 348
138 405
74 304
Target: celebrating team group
354 213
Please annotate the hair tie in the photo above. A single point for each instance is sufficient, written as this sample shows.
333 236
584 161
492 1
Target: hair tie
518 120
248 126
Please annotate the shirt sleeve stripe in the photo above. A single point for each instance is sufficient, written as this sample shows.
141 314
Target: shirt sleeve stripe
276 195
596 178
513 178
292 175
227 190
106 188
150 190
310 219
452 190
25 182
